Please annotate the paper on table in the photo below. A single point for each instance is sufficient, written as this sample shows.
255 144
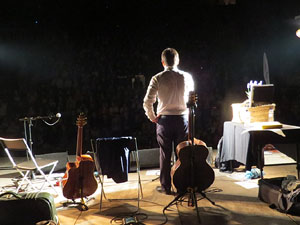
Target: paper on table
256 128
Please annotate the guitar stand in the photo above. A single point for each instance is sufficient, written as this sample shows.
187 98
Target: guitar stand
192 200
80 205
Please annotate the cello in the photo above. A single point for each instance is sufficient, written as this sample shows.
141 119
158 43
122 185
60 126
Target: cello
191 171
79 180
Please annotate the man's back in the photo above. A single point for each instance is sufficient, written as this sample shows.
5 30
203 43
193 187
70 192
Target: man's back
173 90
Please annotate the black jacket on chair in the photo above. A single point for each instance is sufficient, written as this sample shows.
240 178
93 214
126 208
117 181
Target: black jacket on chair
114 158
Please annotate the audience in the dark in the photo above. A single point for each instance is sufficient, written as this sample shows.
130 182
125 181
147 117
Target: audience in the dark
45 72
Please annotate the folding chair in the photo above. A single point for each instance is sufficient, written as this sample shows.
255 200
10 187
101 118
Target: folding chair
29 166
106 149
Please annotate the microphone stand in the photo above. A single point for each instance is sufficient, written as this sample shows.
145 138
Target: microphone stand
30 124
30 141
27 126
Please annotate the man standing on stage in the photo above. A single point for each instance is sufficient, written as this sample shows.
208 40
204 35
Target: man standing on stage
171 89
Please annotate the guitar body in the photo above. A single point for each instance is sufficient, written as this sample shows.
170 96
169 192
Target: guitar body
79 180
191 169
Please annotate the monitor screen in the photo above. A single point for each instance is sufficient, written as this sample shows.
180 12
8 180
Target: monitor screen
262 94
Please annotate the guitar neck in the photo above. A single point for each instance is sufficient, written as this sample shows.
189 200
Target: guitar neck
191 127
79 142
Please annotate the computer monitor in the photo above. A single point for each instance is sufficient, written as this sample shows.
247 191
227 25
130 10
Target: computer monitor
262 95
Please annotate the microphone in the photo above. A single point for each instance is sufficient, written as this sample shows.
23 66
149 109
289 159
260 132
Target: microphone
57 115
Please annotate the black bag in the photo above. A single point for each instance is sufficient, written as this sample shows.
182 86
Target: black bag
226 165
271 192
27 208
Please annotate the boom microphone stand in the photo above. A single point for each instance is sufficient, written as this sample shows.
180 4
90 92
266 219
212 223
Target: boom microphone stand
27 121
28 124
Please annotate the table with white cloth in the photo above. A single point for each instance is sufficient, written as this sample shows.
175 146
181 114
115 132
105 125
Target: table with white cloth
244 143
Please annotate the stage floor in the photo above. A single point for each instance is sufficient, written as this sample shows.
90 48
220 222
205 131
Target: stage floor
236 201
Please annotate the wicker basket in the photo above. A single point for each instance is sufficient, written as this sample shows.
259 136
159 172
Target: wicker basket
263 113
243 114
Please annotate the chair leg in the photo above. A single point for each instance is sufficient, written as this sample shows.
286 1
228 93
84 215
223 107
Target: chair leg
50 173
46 177
102 191
140 189
102 186
25 178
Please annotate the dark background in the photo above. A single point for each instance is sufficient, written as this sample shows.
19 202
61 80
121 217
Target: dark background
68 57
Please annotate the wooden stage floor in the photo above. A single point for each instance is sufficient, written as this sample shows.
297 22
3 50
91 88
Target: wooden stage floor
236 201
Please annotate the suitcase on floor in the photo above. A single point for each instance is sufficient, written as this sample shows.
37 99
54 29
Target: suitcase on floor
27 208
272 192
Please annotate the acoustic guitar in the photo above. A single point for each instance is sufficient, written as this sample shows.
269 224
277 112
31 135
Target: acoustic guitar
191 169
79 180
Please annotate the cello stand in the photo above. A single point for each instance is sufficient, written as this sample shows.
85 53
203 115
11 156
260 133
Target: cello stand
192 200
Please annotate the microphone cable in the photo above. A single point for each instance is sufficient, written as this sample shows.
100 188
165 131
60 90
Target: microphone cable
58 115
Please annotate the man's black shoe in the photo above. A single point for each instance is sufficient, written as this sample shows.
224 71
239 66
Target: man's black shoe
163 191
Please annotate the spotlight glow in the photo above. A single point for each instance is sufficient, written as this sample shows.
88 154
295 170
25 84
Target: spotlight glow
298 33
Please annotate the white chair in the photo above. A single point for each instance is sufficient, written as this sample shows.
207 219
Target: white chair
104 149
30 166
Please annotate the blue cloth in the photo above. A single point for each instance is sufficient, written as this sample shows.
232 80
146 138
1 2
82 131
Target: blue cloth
253 173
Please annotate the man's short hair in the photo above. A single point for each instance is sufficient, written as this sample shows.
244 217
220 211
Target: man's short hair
170 57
